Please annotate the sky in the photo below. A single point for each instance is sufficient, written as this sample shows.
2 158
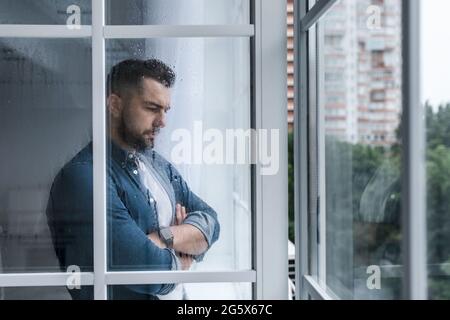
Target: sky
435 37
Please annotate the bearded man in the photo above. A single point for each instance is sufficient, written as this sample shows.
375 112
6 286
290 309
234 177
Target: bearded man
154 221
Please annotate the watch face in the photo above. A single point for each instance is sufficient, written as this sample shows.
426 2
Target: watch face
166 234
167 237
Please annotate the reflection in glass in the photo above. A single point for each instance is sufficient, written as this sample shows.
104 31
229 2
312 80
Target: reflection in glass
210 96
204 291
45 12
175 12
36 293
45 119
361 108
435 71
211 92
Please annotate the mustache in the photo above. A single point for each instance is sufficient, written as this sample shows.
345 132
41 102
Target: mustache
154 131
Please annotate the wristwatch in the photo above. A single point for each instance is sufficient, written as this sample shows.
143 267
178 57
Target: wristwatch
166 236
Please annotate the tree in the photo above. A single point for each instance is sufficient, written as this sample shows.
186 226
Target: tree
438 202
362 164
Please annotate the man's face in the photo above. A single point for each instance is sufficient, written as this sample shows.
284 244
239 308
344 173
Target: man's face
144 114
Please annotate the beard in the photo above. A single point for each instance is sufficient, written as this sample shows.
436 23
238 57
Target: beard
139 141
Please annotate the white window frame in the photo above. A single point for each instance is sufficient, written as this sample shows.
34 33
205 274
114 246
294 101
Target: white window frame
269 273
311 224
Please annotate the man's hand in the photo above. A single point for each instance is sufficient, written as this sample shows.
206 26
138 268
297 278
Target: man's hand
185 259
187 238
180 214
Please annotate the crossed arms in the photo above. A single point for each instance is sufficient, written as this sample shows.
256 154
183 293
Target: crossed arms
70 213
187 239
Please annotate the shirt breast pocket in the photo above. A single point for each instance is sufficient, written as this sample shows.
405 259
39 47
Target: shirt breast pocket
142 212
175 181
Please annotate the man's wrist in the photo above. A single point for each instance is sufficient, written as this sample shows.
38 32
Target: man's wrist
177 237
166 236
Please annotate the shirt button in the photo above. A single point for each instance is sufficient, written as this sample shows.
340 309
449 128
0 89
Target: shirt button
130 156
135 172
151 200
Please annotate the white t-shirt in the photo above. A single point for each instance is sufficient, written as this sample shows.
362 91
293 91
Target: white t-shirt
164 207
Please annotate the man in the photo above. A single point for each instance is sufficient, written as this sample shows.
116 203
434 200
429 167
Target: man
154 221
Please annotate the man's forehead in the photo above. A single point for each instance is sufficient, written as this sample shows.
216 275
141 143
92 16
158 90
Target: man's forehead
153 91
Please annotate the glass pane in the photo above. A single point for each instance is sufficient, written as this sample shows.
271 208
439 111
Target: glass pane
361 104
177 12
194 291
190 163
45 85
435 27
45 12
36 293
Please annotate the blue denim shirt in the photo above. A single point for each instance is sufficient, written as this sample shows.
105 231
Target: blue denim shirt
131 215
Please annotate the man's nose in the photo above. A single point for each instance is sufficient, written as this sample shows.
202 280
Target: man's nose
162 119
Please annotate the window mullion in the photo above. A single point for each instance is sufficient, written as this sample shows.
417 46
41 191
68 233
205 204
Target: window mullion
99 148
178 31
414 174
321 160
316 12
301 152
43 31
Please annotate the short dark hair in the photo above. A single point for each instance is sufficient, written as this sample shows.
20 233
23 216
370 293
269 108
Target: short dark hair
129 74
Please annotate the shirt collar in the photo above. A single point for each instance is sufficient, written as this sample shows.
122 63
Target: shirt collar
125 157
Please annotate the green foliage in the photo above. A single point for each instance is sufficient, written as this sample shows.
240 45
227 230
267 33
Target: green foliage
365 161
438 201
439 288
438 127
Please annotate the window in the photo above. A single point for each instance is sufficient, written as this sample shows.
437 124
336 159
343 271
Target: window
46 117
375 208
54 83
44 12
355 187
361 179
377 59
378 95
435 102
209 68
190 12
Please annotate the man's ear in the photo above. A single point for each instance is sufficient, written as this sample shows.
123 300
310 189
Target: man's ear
115 105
